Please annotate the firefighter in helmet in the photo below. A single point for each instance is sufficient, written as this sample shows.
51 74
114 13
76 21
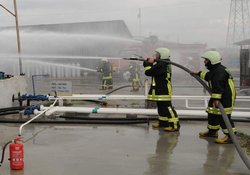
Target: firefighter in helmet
106 69
134 70
221 83
161 89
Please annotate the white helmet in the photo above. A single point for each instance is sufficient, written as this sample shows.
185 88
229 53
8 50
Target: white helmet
213 56
164 53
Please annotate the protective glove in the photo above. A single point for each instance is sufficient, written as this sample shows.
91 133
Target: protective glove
151 60
146 63
195 73
216 103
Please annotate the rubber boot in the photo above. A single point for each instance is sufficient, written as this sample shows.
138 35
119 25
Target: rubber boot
155 125
159 124
225 140
209 133
170 129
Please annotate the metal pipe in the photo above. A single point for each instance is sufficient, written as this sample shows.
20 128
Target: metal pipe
132 97
78 120
144 97
138 111
33 81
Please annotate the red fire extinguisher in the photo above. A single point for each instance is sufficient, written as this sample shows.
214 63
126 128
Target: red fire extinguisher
16 154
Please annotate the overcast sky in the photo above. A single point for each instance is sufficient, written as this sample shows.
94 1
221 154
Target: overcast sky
186 21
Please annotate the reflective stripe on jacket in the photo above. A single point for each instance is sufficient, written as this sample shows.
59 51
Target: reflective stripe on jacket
222 86
161 87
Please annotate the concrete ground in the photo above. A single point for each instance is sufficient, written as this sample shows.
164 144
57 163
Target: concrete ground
121 149
54 149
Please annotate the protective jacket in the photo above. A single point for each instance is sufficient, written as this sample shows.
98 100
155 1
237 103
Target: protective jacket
106 70
221 84
161 88
134 69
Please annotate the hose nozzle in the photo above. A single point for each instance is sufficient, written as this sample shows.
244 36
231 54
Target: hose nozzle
135 59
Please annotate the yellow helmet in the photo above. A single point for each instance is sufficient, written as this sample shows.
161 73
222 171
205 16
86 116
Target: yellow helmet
213 56
164 53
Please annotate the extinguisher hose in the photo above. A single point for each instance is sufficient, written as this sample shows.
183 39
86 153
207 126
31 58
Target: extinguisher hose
4 147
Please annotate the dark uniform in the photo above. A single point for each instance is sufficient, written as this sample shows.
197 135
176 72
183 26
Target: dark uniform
221 83
161 92
106 70
134 70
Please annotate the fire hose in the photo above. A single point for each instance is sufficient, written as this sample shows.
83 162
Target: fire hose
225 118
220 106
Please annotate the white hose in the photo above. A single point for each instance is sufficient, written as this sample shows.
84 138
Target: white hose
21 127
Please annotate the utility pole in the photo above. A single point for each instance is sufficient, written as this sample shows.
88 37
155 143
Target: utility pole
139 18
17 34
18 39
238 22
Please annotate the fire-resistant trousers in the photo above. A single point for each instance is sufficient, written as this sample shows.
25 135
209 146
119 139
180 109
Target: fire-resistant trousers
216 121
167 115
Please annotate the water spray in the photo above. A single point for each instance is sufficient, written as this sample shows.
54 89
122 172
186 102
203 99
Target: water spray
61 65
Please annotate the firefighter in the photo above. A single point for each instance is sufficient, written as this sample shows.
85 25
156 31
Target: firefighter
134 70
221 82
106 69
161 90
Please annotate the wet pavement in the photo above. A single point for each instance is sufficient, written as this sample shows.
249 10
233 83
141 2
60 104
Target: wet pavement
121 149
55 149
